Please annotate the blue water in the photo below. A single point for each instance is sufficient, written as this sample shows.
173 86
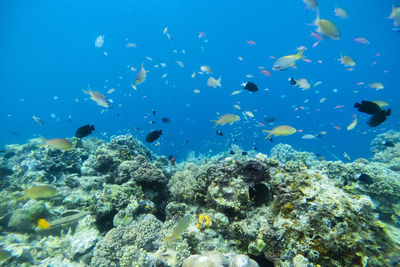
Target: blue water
47 50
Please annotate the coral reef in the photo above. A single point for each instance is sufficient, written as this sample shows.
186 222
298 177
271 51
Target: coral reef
118 204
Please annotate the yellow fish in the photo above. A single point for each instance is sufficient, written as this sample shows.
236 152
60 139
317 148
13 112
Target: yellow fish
179 229
381 103
249 113
236 92
226 118
40 191
353 124
376 86
288 61
59 143
395 15
282 130
327 28
43 224
348 61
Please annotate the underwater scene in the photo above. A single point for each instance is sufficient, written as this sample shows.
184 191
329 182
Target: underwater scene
200 133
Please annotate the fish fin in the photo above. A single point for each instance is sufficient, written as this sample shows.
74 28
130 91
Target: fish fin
216 123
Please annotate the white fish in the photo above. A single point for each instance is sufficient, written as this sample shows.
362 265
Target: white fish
141 76
308 136
212 82
99 41
206 69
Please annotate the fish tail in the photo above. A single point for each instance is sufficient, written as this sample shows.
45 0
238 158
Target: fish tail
299 55
268 135
86 92
216 123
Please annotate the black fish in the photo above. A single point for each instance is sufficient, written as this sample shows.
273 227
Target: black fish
252 87
153 136
389 144
84 131
220 133
365 179
152 122
269 119
244 153
186 142
9 155
170 157
231 152
153 111
165 120
367 107
292 81
379 117
255 148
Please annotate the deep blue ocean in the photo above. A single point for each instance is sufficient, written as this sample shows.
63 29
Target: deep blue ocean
48 55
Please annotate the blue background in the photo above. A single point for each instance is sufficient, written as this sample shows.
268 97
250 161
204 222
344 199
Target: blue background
47 49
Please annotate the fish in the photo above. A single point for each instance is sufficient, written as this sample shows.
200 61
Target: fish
179 229
219 133
388 144
43 224
153 136
58 143
99 41
266 72
341 13
360 40
269 119
84 131
244 153
348 61
249 113
283 130
166 120
367 107
311 4
327 28
308 136
249 86
381 103
212 82
141 76
226 118
196 91
376 86
353 123
288 61
40 191
98 97
206 69
395 15
365 179
302 83
38 120
236 92
379 117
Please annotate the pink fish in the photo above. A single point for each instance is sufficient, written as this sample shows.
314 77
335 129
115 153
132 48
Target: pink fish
250 42
360 83
266 72
360 40
300 130
271 57
378 54
337 127
350 69
316 43
307 60
319 61
202 35
261 124
338 106
373 63
316 36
